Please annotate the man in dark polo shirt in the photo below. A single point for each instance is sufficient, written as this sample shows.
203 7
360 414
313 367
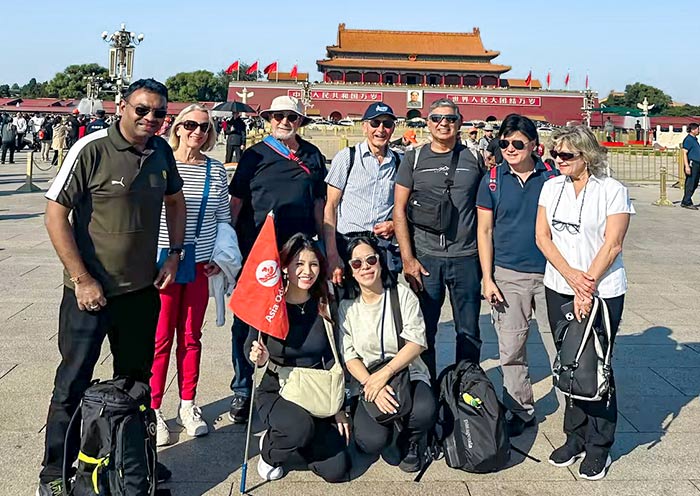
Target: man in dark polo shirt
113 182
448 259
691 164
512 265
285 174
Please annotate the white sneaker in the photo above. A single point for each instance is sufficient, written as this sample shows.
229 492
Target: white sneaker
191 419
265 470
162 431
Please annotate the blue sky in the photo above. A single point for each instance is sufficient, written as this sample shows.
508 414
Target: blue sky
617 42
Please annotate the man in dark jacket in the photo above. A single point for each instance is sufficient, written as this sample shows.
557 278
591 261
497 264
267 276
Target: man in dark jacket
235 138
8 135
97 123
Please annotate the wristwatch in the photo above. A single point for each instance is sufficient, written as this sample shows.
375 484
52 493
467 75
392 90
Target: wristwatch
179 251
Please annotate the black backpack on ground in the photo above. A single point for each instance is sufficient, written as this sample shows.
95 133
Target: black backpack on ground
471 425
117 447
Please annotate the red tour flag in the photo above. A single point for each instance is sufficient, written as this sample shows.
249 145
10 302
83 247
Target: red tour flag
232 67
528 80
566 80
258 299
549 79
294 72
270 68
253 68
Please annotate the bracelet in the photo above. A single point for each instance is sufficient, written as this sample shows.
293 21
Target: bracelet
76 279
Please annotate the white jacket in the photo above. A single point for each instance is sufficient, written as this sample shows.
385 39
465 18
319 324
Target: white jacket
226 255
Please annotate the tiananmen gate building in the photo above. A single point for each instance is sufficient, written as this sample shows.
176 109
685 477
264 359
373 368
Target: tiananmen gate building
409 70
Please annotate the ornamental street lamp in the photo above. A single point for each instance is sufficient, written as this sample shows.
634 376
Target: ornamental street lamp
121 57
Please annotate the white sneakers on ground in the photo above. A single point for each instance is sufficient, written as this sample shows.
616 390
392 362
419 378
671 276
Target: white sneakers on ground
265 470
190 417
162 431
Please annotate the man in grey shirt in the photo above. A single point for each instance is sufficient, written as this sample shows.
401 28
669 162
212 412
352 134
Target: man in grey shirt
447 259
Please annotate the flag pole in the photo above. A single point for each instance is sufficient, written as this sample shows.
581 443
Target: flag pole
244 467
277 71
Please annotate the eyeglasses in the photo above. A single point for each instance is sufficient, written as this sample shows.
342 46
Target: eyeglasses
356 263
437 118
291 116
387 123
517 144
143 111
563 155
571 228
192 125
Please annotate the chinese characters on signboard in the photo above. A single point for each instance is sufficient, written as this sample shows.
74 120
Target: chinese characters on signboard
518 101
348 96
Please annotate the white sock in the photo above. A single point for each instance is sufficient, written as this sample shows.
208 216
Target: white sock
186 404
157 411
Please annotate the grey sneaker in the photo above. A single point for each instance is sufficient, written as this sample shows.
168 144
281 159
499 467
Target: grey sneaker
53 488
162 431
191 419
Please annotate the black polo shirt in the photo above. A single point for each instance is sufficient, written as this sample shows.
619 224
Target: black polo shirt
116 194
515 214
265 180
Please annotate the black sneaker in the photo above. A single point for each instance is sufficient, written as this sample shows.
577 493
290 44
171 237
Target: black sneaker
517 425
689 206
239 410
53 488
413 460
594 467
163 474
565 455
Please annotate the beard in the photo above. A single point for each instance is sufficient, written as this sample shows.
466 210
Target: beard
283 135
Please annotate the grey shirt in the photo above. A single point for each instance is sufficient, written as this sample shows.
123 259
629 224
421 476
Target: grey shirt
430 174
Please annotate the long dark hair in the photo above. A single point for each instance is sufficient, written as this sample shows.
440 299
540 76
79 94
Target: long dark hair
352 286
319 291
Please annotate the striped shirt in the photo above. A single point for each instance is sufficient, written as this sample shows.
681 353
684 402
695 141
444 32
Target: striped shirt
368 192
217 208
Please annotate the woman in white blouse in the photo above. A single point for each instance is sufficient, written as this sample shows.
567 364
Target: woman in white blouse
364 320
581 224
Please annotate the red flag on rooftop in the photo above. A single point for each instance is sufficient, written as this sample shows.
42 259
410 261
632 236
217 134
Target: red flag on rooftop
587 81
549 79
566 80
294 72
258 299
232 67
528 80
270 68
253 68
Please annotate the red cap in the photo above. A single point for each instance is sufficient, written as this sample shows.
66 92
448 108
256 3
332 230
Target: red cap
76 111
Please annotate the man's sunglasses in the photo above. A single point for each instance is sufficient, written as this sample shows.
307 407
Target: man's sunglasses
291 116
356 263
437 118
192 125
143 111
388 123
517 144
563 155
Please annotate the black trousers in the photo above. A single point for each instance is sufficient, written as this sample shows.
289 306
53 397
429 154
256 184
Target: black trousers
233 153
129 321
691 182
293 433
8 146
589 425
372 437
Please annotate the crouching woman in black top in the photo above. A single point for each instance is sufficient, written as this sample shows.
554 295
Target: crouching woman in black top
292 432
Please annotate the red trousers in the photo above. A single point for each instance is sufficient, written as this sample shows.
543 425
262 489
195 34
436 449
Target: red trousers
182 308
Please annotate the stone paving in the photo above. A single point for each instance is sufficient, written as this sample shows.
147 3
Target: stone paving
657 363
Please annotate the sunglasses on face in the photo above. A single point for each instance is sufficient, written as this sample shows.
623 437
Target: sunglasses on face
437 118
517 144
291 116
387 123
563 155
356 263
143 111
192 125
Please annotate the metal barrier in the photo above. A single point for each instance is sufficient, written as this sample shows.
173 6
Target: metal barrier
639 165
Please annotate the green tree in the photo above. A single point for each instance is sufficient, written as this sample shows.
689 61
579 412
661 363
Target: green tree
615 100
71 82
33 89
197 86
683 111
4 90
635 93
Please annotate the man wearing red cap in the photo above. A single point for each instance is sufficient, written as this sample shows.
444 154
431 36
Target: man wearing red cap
73 128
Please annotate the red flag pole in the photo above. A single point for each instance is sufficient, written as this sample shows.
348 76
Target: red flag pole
277 71
244 467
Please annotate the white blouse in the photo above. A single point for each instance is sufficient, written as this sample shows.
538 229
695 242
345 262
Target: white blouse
600 198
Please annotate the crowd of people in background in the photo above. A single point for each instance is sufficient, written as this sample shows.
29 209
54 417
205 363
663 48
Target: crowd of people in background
367 267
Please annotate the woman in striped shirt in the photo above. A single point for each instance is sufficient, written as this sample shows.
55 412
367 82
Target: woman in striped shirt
183 305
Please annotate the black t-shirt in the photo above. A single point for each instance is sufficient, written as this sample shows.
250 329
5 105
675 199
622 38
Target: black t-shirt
306 344
495 150
429 175
264 181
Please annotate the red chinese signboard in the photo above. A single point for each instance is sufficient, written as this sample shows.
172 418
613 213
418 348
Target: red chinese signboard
344 96
517 101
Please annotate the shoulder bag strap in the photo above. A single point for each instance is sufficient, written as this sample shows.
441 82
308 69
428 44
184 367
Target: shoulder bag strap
205 200
331 338
396 312
381 335
450 179
285 152
352 163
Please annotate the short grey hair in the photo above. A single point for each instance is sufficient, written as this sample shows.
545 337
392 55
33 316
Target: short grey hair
581 139
445 102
